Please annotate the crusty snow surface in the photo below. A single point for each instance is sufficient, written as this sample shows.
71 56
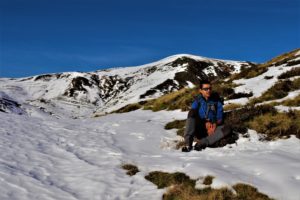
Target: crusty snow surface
43 157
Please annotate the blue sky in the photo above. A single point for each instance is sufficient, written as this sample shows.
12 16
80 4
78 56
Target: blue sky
46 36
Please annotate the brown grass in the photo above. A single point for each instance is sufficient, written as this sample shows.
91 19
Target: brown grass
277 125
232 106
181 99
131 169
256 70
292 102
177 124
180 144
208 180
238 118
182 187
281 59
278 91
248 192
291 73
295 102
164 179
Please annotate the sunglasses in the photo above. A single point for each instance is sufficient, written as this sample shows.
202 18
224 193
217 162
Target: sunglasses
206 89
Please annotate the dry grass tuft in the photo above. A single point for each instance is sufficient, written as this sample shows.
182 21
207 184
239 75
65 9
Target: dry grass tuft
277 125
181 99
291 73
131 169
180 186
178 124
279 60
278 91
164 179
208 180
292 102
256 70
247 192
131 107
232 106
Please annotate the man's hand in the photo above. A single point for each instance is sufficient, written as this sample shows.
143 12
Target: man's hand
210 127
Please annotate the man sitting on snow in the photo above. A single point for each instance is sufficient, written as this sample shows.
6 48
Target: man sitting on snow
205 120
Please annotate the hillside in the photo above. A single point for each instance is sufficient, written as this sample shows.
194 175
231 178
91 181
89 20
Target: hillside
106 90
56 143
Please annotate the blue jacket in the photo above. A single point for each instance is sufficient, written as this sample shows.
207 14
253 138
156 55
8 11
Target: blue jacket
211 110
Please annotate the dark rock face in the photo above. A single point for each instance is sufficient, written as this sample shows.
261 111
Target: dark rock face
101 88
194 73
240 95
111 86
166 87
47 77
8 105
107 87
77 84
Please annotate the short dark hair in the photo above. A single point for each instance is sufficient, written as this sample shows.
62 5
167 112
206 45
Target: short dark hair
202 82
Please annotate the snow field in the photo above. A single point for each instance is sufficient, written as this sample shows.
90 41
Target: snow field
47 158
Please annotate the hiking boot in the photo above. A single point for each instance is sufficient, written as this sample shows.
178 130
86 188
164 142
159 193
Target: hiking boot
199 146
186 149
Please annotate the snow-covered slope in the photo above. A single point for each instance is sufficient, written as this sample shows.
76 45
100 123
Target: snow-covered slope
106 90
64 159
45 154
9 105
261 83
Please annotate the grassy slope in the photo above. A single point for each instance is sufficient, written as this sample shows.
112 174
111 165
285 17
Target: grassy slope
264 119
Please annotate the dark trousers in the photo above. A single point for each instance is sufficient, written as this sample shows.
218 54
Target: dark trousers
196 130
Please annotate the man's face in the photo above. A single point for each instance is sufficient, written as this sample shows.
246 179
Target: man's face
205 90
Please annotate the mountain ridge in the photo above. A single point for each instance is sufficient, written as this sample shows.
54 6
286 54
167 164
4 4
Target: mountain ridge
110 89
